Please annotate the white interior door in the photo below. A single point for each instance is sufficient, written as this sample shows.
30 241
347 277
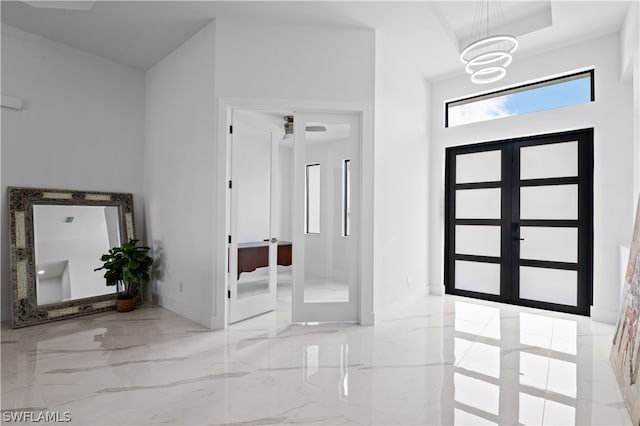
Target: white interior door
326 215
253 247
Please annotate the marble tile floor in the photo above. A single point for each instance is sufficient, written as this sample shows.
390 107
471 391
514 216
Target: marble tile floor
440 360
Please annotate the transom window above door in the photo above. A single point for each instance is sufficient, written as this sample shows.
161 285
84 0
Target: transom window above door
557 92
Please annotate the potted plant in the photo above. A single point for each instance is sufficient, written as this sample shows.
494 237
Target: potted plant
126 267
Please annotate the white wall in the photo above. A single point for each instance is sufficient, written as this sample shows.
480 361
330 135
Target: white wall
629 39
636 124
630 70
65 281
81 127
401 168
83 256
258 59
611 115
293 66
179 175
49 290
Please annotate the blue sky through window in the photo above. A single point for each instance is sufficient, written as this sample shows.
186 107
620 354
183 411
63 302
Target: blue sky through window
550 96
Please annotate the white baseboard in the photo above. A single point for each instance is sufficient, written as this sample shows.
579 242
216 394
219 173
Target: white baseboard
602 315
183 310
413 292
368 319
216 322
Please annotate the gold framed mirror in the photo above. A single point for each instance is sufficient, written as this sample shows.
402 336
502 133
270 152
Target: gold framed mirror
56 240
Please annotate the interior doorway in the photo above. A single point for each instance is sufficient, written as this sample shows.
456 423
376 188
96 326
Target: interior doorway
519 221
294 225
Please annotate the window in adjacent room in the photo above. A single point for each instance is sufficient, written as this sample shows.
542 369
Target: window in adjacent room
346 198
312 199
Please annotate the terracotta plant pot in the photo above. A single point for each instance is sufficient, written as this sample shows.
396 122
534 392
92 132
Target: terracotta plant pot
125 305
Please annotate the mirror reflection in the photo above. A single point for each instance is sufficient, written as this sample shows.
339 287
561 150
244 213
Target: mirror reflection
327 213
252 155
69 241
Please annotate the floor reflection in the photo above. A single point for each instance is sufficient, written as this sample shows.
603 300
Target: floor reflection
438 361
543 375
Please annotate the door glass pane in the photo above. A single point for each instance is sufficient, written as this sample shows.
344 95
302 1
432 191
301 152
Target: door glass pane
549 285
252 187
549 161
478 240
549 202
312 199
346 199
328 254
477 276
478 167
478 203
554 244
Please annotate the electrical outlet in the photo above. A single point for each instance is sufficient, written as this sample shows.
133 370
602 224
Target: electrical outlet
180 286
409 280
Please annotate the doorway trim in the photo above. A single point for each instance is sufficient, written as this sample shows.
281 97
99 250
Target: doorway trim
585 219
222 221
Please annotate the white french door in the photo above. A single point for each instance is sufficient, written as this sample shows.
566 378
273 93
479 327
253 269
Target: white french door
326 215
519 221
253 245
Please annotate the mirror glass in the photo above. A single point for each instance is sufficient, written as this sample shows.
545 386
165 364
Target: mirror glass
69 241
327 213
252 162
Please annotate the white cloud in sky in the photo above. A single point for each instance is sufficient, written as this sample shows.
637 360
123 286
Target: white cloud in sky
487 109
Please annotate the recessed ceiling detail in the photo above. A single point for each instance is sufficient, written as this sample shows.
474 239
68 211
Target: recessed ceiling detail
519 18
64 5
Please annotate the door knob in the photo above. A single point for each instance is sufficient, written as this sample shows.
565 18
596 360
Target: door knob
274 240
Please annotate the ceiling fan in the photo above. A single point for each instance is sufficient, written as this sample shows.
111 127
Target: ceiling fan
288 126
62 5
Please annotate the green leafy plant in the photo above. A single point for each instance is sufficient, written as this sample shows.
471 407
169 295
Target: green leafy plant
127 267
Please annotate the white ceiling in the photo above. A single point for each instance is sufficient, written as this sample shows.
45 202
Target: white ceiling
89 222
141 33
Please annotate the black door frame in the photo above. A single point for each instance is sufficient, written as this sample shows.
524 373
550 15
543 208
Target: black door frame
510 221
